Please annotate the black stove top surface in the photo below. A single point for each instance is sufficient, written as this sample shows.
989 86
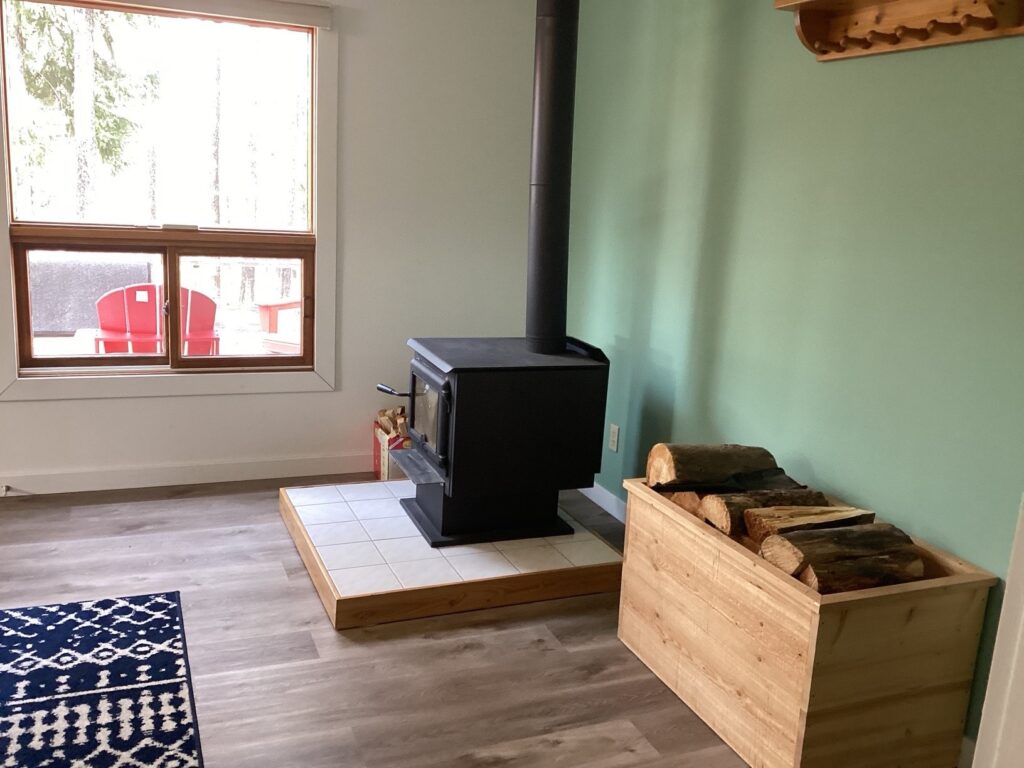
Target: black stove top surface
479 354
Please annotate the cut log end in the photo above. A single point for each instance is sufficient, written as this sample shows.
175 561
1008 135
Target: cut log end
688 500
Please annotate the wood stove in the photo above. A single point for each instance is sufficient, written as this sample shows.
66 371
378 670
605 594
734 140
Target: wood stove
498 431
501 425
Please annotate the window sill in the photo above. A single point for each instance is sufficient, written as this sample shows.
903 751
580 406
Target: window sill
164 384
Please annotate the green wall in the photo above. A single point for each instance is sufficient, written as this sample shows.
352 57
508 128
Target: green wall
824 259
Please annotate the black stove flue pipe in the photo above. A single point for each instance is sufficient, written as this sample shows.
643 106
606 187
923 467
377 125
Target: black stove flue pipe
554 98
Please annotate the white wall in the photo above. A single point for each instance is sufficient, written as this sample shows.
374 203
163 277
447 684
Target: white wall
435 110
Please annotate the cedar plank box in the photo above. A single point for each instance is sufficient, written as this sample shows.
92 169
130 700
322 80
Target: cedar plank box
790 678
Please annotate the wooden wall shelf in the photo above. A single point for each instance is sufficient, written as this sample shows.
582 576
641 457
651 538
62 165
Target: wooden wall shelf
842 29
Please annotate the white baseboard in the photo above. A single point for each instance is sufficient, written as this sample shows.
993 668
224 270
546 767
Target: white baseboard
146 476
607 501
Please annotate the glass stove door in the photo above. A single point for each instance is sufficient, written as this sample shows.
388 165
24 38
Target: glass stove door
426 411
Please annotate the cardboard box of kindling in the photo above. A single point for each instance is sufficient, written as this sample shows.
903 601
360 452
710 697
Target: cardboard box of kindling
389 431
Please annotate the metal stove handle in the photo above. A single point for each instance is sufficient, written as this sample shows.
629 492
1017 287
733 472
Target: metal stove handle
391 391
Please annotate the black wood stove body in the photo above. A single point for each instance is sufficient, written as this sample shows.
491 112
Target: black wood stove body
498 430
499 426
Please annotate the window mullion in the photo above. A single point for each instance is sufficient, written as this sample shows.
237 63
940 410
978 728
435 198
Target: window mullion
173 299
308 304
23 312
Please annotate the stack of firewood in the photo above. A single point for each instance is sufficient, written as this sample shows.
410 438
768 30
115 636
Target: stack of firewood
393 421
743 492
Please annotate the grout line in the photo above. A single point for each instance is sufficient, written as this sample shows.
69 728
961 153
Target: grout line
381 556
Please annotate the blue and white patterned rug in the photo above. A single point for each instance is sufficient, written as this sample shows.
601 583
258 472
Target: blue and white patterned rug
100 684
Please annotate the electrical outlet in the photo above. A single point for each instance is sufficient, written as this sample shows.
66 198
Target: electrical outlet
613 438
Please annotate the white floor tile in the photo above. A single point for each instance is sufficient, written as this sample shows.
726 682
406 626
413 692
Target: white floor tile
364 491
425 573
404 550
589 552
315 494
467 549
390 528
372 508
518 543
488 565
401 489
334 512
350 555
336 533
365 580
529 559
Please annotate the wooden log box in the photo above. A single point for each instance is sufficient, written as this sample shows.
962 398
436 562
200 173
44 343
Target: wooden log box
725 511
789 678
672 465
771 521
792 552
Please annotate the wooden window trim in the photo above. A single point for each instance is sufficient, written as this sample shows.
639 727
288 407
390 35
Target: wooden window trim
180 362
172 244
250 20
101 236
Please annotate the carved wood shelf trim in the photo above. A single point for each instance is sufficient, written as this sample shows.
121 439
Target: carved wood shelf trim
842 29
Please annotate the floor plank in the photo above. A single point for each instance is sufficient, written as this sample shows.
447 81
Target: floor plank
546 684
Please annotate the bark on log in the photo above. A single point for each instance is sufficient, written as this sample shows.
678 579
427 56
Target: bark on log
776 519
763 480
864 572
792 552
669 465
725 511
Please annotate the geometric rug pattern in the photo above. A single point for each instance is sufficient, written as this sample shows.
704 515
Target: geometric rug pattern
97 684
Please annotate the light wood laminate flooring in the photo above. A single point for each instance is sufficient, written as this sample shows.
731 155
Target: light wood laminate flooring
546 684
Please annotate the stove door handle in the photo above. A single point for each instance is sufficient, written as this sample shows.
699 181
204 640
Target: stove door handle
391 391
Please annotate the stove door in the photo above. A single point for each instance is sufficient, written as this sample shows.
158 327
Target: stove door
429 406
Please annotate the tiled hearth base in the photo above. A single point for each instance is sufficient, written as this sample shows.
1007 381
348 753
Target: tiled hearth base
370 564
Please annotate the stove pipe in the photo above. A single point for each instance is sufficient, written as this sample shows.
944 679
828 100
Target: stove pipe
554 96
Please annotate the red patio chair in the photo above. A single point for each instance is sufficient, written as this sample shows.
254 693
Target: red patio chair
131 321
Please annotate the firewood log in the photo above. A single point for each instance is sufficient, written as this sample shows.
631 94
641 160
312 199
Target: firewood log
725 510
688 500
762 480
864 572
792 552
670 464
772 520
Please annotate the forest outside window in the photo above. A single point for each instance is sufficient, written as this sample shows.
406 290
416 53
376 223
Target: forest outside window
160 188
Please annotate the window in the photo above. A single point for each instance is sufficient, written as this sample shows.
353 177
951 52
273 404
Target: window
160 188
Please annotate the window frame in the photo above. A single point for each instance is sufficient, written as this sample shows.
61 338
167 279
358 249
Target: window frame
174 242
171 245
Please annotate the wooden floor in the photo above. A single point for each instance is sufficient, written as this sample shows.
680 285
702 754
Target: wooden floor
540 685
